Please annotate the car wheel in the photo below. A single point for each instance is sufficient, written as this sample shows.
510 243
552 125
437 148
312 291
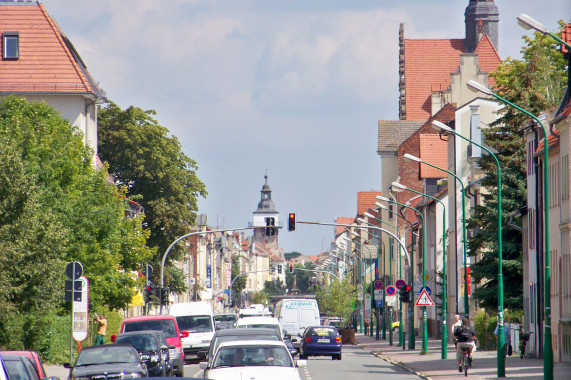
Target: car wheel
339 357
395 329
303 356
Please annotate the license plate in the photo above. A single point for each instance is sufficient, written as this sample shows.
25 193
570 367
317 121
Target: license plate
322 340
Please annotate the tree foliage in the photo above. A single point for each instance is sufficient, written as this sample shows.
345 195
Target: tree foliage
302 278
56 207
338 299
151 165
240 283
536 83
275 287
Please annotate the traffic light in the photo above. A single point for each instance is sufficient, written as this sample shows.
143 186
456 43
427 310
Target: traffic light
164 292
290 268
149 291
404 293
270 226
291 224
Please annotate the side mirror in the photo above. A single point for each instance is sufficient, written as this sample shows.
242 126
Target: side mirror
301 363
201 354
113 338
66 365
287 336
184 334
203 365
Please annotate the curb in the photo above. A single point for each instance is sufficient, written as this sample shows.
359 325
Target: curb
398 364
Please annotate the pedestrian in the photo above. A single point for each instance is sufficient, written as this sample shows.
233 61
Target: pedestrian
507 338
101 328
457 323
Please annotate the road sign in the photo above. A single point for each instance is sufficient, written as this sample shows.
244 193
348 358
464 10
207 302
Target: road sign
428 290
391 300
378 294
367 304
400 283
360 288
74 270
391 290
360 296
378 284
80 313
424 299
417 287
379 302
427 277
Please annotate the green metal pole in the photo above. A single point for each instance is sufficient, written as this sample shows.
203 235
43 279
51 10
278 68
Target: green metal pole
391 282
501 350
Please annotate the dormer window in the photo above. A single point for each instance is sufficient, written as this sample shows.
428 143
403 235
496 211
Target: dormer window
11 45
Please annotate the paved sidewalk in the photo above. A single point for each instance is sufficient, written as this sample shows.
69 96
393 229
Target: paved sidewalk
431 366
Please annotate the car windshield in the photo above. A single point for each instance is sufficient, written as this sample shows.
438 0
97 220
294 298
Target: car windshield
225 318
17 369
323 332
239 356
165 325
145 342
195 323
107 355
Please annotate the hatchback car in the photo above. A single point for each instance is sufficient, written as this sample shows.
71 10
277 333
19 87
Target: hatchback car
107 361
252 359
33 355
20 367
154 354
320 341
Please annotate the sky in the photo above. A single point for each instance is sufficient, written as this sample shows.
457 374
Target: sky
291 88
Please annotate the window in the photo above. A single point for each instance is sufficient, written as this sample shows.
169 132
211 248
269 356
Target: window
11 45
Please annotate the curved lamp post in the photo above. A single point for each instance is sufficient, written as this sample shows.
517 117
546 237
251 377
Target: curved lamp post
547 348
444 343
424 349
466 304
370 278
501 338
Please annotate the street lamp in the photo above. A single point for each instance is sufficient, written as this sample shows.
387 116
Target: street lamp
528 23
370 277
464 245
501 338
424 349
547 348
444 346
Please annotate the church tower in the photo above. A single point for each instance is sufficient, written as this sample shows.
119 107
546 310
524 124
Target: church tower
266 216
481 17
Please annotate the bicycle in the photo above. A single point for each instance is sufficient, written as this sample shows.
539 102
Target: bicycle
523 342
466 359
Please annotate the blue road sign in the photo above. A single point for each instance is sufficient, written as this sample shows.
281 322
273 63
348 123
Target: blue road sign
428 290
391 290
379 303
400 283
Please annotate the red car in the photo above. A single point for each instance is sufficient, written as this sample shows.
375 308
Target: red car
34 357
165 323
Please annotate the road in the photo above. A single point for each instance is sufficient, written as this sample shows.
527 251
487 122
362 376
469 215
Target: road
356 364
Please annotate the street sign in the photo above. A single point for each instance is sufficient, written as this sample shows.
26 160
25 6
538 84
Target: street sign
400 283
378 293
391 300
417 287
367 304
74 270
360 296
378 284
360 288
427 277
80 313
379 302
424 299
428 290
391 290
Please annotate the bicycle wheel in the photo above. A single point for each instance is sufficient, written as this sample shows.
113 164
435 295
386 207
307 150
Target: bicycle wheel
465 364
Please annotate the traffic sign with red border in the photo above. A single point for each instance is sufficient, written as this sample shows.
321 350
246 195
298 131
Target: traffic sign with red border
400 283
391 290
378 284
424 299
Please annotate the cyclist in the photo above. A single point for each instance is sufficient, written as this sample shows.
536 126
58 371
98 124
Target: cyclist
465 337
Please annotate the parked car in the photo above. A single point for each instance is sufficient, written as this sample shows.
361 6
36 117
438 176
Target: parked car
252 359
20 367
154 354
222 336
168 325
3 370
38 364
107 361
320 341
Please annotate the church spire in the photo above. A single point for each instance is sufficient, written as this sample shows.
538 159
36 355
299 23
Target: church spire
481 17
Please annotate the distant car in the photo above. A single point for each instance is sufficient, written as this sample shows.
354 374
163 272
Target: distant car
154 354
395 326
252 359
227 317
107 361
225 325
169 326
257 322
38 364
320 341
222 336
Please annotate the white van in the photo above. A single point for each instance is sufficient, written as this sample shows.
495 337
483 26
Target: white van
198 319
295 315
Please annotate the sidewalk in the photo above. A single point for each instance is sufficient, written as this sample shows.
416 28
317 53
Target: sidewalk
431 366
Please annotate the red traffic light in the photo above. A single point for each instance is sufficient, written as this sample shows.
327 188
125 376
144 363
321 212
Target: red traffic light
407 288
291 221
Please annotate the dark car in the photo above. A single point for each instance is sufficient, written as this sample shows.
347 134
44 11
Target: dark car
320 341
169 326
221 336
20 367
36 361
107 361
154 354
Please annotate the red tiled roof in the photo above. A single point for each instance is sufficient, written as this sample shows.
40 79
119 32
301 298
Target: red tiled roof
366 200
552 139
428 64
342 220
434 151
46 63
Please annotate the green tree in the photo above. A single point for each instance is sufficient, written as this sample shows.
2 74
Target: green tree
535 83
240 283
338 299
275 287
303 278
149 164
260 297
56 207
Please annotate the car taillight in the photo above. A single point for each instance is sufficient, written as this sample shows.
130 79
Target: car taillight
308 339
338 339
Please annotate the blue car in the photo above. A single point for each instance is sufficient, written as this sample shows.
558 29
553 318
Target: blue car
320 341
